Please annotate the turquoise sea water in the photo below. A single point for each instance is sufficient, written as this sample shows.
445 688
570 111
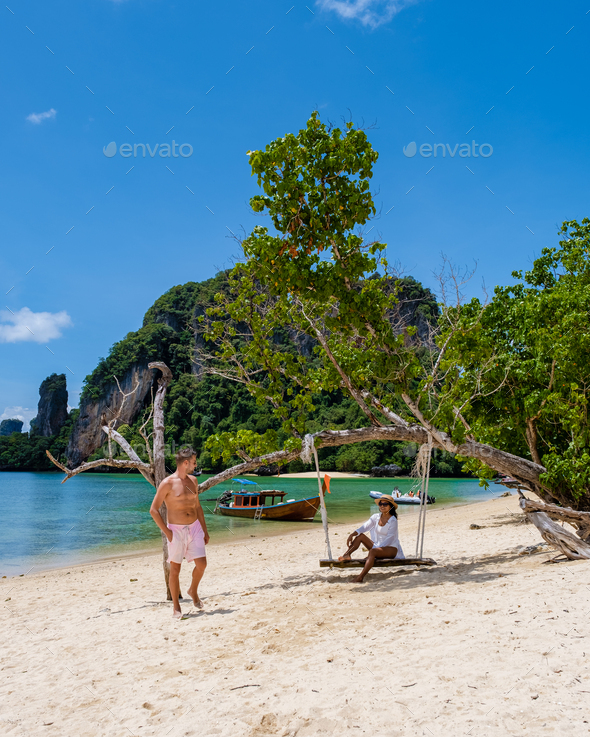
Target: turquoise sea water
48 524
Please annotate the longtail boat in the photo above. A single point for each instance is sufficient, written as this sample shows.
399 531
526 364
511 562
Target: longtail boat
261 505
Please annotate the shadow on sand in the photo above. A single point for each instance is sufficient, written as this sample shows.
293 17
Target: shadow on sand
459 572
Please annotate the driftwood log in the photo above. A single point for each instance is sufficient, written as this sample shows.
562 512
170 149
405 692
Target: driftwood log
572 546
579 520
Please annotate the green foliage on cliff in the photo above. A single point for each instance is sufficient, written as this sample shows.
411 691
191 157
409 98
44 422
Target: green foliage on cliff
199 406
166 335
196 410
54 383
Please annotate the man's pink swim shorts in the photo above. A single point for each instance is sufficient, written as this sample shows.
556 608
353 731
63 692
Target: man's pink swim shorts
188 541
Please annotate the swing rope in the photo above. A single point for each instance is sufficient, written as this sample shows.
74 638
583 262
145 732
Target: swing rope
307 449
424 468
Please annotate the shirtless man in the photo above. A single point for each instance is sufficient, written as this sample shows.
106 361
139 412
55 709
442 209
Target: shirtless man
186 531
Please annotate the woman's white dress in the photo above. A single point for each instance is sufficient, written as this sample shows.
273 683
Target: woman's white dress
383 536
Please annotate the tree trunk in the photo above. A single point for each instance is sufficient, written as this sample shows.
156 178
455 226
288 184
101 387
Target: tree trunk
520 468
532 439
155 472
159 457
144 469
579 520
557 536
525 471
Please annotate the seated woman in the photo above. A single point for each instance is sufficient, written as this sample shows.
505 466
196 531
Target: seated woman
384 540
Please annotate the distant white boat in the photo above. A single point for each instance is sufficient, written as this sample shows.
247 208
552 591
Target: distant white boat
404 499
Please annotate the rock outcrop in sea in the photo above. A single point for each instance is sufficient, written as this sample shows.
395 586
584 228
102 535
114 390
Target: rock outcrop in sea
52 410
7 427
271 470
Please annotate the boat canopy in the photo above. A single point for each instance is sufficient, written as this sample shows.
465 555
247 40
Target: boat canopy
256 498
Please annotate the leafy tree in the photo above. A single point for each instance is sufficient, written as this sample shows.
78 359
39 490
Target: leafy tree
316 277
524 360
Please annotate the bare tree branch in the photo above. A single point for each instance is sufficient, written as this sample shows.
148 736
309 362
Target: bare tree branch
145 437
568 544
120 440
159 459
581 520
385 411
442 439
70 472
525 471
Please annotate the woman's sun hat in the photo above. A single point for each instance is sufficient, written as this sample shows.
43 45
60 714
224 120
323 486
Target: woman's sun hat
387 498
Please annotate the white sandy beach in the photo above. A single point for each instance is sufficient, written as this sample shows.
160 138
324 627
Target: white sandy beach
489 642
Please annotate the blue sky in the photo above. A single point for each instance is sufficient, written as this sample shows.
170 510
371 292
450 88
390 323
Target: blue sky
87 242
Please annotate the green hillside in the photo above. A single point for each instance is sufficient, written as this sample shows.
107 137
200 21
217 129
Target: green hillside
199 405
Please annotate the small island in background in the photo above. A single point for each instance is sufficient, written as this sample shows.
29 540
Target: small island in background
49 430
7 427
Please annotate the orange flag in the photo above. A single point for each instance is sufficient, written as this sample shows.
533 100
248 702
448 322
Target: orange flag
326 484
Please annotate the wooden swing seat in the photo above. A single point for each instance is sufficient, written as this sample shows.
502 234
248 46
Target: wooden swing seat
379 562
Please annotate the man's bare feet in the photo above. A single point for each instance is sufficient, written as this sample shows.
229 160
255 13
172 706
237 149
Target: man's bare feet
358 579
176 614
196 601
345 557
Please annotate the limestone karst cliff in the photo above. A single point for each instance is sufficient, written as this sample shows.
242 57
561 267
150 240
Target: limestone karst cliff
52 410
26 451
87 434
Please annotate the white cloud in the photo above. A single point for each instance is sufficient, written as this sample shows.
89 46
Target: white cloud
19 413
371 13
38 118
26 325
